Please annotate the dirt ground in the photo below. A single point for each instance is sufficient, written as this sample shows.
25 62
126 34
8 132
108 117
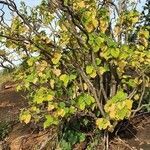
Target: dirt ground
133 135
21 136
10 104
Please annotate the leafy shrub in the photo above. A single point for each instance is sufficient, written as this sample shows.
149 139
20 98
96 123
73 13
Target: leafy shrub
78 61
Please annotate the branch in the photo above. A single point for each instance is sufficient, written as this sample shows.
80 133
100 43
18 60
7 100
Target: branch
73 17
141 98
90 85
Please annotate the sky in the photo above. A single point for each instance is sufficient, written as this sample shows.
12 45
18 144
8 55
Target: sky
29 2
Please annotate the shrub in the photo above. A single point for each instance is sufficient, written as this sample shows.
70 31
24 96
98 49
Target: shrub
80 59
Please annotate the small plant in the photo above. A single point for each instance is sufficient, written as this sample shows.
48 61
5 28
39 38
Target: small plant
5 128
94 141
75 131
70 138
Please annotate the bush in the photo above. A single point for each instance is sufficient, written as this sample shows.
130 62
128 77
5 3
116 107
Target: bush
79 59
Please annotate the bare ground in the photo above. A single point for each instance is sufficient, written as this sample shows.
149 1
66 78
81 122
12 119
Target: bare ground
10 104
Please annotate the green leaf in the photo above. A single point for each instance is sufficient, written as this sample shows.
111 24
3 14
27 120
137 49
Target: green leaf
62 104
99 40
98 61
81 102
89 69
82 137
89 99
65 145
72 110
111 43
30 78
131 83
115 52
82 105
72 77
38 99
49 121
65 78
95 40
85 100
120 96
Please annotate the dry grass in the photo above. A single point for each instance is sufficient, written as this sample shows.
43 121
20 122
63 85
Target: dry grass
5 77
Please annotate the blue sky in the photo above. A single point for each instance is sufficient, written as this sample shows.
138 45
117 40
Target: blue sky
29 2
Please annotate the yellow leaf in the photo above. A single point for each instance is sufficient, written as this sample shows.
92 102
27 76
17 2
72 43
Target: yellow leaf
57 72
135 19
93 74
89 27
103 25
78 5
50 97
63 27
61 113
106 108
56 58
30 62
50 107
44 63
85 86
102 70
40 74
136 97
112 114
35 80
120 105
129 103
42 66
112 108
25 117
52 82
95 23
33 108
81 4
102 123
128 114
